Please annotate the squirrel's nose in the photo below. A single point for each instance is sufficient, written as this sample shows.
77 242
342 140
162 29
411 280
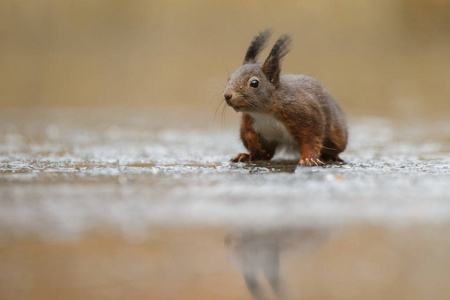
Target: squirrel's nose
228 96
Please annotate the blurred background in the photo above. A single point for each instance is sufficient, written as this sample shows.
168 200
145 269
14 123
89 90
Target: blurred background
115 181
387 58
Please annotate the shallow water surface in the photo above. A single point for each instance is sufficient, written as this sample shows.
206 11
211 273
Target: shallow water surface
107 204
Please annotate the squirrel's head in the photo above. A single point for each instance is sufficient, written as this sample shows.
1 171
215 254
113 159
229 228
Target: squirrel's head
251 87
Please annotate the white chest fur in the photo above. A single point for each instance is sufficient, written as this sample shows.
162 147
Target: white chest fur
271 129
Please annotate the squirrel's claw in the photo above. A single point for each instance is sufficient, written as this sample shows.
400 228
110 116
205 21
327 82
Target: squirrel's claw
310 162
241 157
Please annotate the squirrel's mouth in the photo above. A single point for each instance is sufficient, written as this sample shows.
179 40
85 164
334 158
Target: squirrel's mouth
240 108
235 107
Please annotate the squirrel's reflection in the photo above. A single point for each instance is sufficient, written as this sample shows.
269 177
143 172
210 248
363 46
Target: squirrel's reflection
257 253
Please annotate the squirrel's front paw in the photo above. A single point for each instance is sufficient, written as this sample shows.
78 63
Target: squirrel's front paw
310 162
241 157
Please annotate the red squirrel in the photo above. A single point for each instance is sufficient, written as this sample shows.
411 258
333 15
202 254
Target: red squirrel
289 111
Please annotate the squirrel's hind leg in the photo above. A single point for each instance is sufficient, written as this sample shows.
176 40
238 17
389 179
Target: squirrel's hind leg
310 154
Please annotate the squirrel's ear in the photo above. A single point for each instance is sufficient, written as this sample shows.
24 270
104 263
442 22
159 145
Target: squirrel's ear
271 67
257 45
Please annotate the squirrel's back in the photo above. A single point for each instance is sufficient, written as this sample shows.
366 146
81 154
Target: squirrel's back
296 87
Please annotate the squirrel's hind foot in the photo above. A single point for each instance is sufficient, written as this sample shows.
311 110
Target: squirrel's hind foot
331 158
310 162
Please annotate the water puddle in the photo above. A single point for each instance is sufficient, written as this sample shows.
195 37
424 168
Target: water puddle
106 205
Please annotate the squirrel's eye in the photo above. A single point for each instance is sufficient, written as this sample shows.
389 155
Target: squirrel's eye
254 83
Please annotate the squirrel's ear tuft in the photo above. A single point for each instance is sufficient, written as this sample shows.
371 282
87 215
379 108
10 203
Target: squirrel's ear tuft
257 45
271 67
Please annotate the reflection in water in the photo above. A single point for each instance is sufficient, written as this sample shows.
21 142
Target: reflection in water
353 262
257 252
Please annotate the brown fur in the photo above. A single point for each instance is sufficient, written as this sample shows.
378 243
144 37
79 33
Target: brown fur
259 148
300 103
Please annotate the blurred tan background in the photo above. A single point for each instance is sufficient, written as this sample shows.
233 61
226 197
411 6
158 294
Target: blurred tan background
377 57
